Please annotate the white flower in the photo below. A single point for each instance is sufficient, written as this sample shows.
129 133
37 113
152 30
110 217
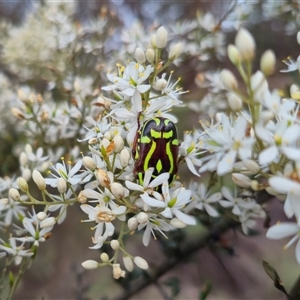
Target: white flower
14 250
292 65
227 142
130 80
283 230
36 235
10 209
175 202
104 217
70 174
202 200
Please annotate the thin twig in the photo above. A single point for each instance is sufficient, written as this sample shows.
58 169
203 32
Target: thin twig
171 262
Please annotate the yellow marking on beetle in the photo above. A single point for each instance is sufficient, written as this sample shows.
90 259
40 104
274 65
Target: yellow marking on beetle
166 122
145 140
155 134
149 155
170 156
158 166
167 135
175 142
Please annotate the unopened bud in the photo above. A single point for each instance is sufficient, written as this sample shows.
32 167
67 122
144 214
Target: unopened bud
150 55
22 183
61 185
234 54
268 62
128 263
89 163
228 79
115 245
234 102
124 157
160 84
141 263
16 112
41 216
103 178
119 143
142 218
161 37
298 37
132 223
245 43
251 165
241 180
153 41
139 55
295 92
90 264
39 180
175 51
14 194
259 85
177 223
104 257
23 158
117 190
26 174
48 222
92 141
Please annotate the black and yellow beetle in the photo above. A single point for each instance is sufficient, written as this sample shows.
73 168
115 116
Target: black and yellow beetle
156 145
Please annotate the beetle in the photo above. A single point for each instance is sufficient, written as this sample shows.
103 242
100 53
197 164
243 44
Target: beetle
156 145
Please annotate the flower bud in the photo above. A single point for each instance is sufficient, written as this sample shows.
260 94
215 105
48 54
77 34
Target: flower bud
41 216
160 84
16 112
14 194
234 54
119 143
161 37
245 43
124 157
89 163
175 51
61 185
298 37
259 85
48 222
139 55
103 178
295 92
26 174
251 165
117 190
241 180
92 141
268 62
132 223
22 183
141 263
115 245
142 218
228 79
39 180
104 257
150 55
153 41
234 102
177 223
90 264
128 263
23 158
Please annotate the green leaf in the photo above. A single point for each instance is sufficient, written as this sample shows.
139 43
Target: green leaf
174 284
271 272
205 291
